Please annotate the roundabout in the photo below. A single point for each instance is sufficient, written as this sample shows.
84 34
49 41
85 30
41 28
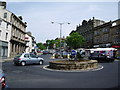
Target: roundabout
73 66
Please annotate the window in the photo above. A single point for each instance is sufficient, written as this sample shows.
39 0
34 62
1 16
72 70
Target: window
117 31
7 25
6 36
33 56
105 30
96 32
0 21
26 55
0 32
5 15
105 37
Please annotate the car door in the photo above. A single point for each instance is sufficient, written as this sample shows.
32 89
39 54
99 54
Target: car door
33 58
27 58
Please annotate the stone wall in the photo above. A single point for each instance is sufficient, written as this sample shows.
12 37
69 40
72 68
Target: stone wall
73 65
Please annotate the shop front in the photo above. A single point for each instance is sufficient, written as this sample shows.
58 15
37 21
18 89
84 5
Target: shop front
3 49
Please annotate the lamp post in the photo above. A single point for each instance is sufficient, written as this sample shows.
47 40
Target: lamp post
60 32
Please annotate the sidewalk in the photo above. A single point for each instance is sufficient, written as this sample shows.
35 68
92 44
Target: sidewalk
6 59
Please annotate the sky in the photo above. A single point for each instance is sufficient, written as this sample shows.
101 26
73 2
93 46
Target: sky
39 15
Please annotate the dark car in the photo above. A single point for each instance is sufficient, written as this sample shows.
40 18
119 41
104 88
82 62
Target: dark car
45 52
3 85
100 57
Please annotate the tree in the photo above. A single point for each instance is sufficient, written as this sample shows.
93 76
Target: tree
75 40
41 46
50 43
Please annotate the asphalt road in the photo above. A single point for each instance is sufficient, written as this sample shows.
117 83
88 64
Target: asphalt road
34 76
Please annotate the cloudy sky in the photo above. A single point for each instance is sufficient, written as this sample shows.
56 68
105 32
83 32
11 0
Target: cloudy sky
39 15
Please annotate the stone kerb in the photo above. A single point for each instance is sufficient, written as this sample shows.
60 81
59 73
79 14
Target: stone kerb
73 65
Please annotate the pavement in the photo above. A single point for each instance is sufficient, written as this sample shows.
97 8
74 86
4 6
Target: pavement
6 59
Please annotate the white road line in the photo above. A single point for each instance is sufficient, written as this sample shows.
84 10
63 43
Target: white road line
100 67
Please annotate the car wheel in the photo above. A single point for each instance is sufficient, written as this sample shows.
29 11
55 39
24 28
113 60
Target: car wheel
41 62
23 63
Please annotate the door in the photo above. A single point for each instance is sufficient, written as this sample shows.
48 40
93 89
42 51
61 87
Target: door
34 58
27 59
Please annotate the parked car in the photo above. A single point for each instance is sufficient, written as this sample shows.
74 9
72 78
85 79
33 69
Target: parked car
100 57
27 58
45 52
3 84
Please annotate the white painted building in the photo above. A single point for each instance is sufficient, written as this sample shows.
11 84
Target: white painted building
28 39
5 31
30 42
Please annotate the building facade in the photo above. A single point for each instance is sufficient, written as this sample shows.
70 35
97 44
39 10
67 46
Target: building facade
87 31
115 33
107 35
29 42
98 33
102 35
18 30
5 31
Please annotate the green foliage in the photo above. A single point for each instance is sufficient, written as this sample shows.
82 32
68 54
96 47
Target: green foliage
41 46
75 40
50 43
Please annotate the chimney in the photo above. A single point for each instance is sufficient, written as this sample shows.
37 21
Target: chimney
3 4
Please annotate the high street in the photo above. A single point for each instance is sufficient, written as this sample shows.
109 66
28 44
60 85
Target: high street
34 76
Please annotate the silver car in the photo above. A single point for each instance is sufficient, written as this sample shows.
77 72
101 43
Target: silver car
27 58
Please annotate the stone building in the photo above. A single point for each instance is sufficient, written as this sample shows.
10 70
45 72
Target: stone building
87 31
18 32
102 35
115 33
107 35
98 33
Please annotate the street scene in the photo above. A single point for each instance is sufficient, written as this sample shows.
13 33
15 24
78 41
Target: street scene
34 76
59 45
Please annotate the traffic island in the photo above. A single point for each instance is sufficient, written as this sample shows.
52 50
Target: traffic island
73 65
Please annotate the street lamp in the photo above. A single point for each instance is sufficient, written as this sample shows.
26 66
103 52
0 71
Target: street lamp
60 31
